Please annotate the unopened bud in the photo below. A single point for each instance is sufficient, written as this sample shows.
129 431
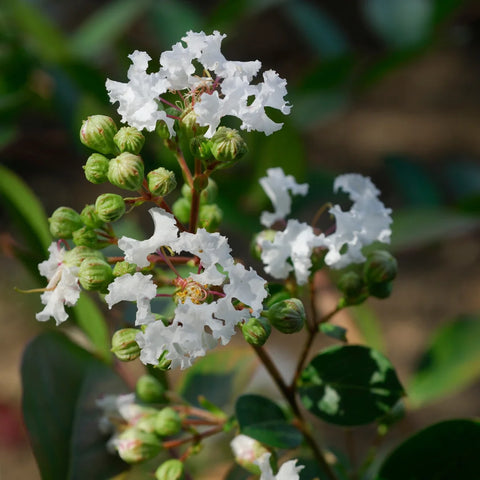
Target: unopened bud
77 255
135 445
380 267
246 451
381 290
162 129
87 237
256 331
161 181
172 469
209 217
228 146
110 207
188 124
124 345
167 422
149 389
353 288
96 168
95 274
181 209
97 133
200 147
208 192
64 221
129 139
287 316
124 268
126 171
90 218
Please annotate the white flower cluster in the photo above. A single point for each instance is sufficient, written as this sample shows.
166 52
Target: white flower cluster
290 250
220 88
198 324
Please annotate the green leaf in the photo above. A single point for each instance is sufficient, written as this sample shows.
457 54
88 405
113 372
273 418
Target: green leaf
263 420
369 325
443 451
218 377
333 331
25 210
451 362
61 382
105 26
349 385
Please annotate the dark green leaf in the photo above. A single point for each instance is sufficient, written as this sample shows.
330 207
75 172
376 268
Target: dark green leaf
262 419
334 331
61 382
444 451
349 385
451 362
218 377
237 473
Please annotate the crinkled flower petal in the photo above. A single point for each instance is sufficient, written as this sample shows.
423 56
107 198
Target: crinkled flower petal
134 288
288 471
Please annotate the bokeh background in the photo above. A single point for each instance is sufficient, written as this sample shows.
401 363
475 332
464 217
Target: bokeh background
386 88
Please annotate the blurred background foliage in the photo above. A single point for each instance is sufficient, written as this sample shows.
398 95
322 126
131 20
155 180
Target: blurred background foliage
387 88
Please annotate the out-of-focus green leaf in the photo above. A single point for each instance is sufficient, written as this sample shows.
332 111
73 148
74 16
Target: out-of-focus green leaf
462 178
369 325
349 385
171 19
7 134
61 382
25 210
237 473
333 331
319 30
219 376
263 420
402 24
412 182
225 14
415 227
443 8
451 362
89 318
442 451
105 26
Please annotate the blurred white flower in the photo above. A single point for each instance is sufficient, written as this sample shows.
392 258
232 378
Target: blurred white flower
288 471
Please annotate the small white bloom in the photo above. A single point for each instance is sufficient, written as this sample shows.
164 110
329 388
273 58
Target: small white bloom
278 188
134 288
288 471
62 289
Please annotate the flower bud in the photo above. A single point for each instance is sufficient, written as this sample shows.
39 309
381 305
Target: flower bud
181 209
228 146
95 274
64 221
255 246
246 451
380 267
209 217
208 193
126 171
96 168
88 238
188 124
161 181
135 445
172 469
149 389
90 218
353 288
162 129
287 316
163 362
381 290
129 139
200 147
124 268
256 331
167 422
124 345
77 255
110 207
97 133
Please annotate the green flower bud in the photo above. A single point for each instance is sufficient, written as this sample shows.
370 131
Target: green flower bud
97 133
256 331
90 218
167 422
161 181
209 217
77 255
135 445
163 362
95 274
88 238
380 267
96 168
110 207
287 316
381 290
181 209
172 469
255 248
207 195
162 129
64 221
124 346
124 268
149 389
126 171
353 288
228 146
188 123
200 147
129 139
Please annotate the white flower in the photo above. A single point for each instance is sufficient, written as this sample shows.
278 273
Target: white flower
288 471
62 289
136 287
278 188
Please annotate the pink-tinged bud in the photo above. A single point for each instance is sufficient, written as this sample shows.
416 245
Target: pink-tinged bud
97 133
